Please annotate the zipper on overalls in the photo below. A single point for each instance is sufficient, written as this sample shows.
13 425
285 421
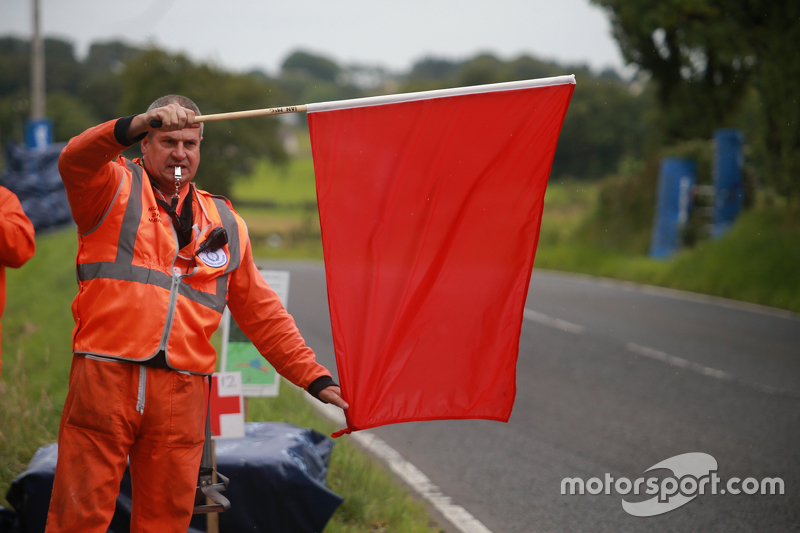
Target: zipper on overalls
142 389
173 303
176 279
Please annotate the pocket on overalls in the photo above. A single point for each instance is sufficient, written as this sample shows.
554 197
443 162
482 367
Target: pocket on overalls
187 411
97 395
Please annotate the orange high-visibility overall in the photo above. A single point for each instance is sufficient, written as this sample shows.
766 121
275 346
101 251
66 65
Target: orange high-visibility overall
138 297
17 243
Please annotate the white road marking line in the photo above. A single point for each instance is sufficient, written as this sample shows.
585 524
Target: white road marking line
455 514
679 362
461 519
563 325
700 369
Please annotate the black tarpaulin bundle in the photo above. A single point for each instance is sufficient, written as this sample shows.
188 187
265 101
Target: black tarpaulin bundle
277 483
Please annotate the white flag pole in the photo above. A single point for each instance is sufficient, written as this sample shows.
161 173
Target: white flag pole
388 99
252 113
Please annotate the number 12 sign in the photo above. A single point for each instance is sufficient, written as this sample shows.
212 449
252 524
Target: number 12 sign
226 410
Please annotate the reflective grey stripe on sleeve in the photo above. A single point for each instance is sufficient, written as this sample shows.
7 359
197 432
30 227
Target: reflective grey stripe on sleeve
131 219
222 288
130 222
110 206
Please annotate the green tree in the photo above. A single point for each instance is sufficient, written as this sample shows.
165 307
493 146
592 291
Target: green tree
694 53
63 75
110 56
317 67
62 70
70 116
481 69
229 148
14 111
604 125
302 88
703 56
101 89
773 32
431 69
528 68
308 78
14 66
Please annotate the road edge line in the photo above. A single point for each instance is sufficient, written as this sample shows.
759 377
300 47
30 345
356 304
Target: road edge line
460 518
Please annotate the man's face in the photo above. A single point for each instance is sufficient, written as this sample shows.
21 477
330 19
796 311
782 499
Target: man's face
163 151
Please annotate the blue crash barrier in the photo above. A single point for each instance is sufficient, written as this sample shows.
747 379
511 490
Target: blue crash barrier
676 178
728 183
277 483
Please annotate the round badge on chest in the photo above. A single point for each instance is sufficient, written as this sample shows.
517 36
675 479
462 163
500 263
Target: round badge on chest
214 259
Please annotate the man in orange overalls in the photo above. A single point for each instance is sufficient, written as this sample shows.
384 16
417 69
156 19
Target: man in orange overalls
152 288
17 243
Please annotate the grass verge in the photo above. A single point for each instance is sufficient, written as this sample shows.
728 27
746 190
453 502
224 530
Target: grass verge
28 420
37 327
756 261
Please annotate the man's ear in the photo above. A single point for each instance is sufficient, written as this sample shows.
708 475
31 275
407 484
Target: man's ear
143 144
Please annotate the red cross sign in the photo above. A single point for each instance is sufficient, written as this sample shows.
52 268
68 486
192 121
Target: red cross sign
227 406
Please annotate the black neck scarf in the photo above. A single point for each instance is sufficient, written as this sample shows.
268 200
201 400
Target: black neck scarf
183 222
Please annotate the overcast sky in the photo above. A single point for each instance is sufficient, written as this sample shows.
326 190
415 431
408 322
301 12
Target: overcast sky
246 34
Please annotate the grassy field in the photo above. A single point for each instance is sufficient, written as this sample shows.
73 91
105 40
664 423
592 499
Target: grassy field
289 228
36 341
285 185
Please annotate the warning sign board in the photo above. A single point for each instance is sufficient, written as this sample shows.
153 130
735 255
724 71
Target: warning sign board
239 354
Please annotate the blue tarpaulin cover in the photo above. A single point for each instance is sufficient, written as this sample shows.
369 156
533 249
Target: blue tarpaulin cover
33 176
277 484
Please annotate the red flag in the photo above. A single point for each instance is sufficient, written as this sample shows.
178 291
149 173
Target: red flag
430 206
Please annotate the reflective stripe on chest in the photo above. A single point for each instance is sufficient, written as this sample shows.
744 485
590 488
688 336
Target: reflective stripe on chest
158 247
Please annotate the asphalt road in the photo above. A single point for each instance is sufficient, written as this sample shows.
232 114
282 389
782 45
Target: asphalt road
613 379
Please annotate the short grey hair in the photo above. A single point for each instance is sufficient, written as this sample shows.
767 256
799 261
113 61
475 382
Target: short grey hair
181 100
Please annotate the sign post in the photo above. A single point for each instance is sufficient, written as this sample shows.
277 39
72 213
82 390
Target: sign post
226 419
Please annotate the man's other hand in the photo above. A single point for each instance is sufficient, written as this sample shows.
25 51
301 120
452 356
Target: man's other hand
333 395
